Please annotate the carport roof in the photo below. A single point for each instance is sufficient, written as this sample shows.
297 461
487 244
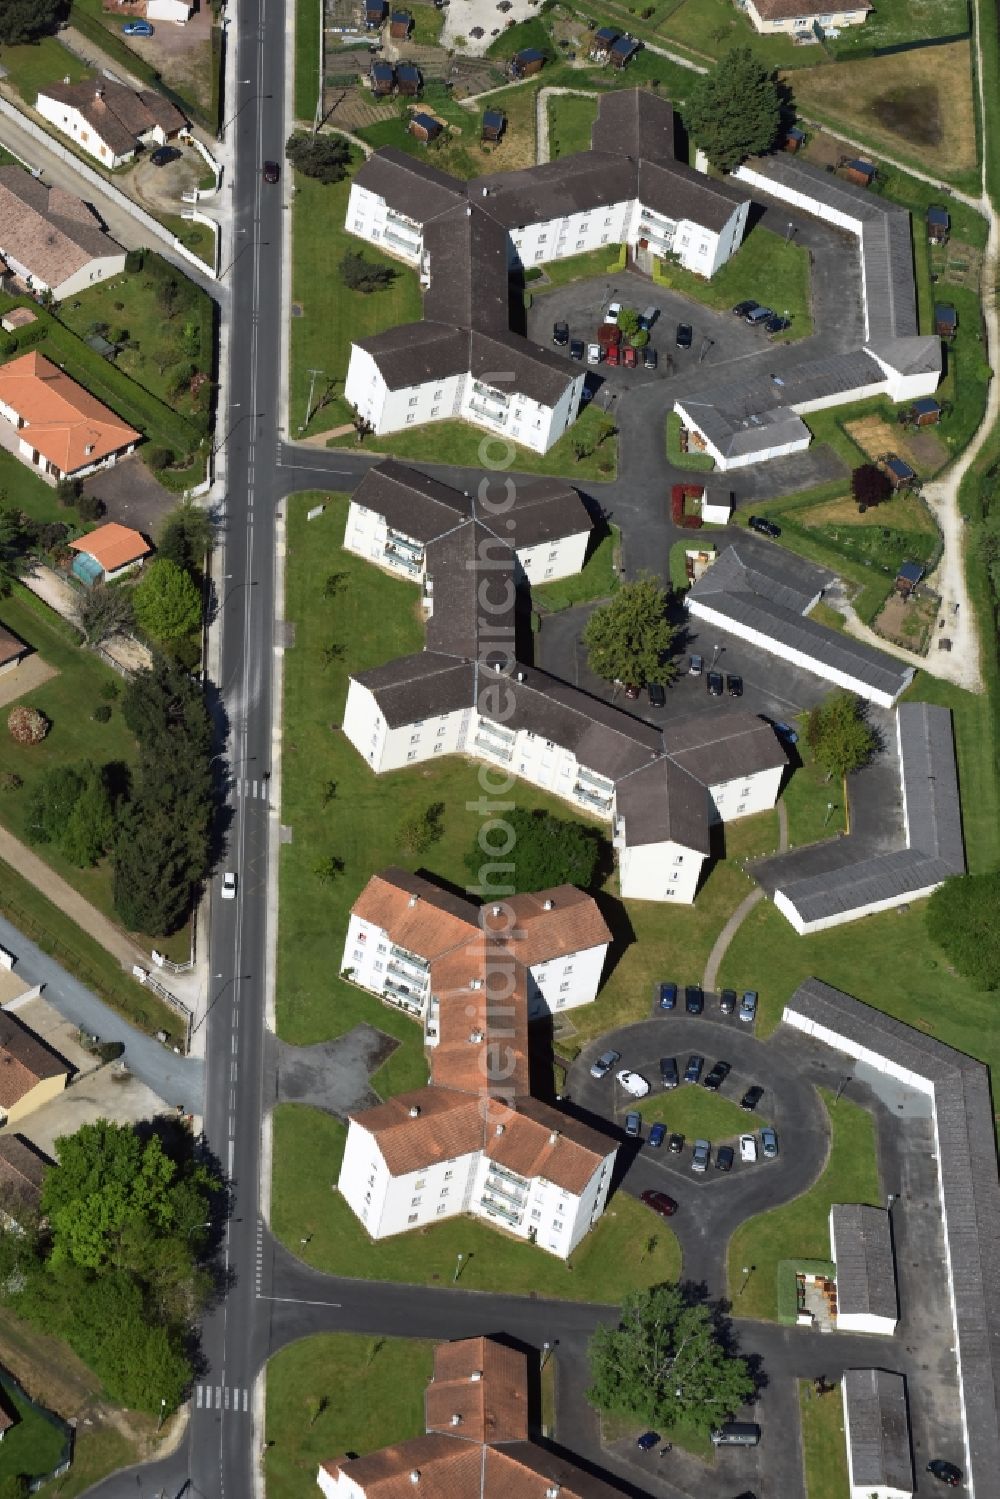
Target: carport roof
866 1269
766 569
855 887
930 783
878 1430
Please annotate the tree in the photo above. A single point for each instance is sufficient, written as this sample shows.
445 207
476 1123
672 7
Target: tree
105 610
540 850
667 1362
869 485
962 920
90 508
14 543
27 20
628 322
167 603
168 293
359 274
70 807
839 734
421 829
324 157
188 536
734 111
27 725
629 639
328 869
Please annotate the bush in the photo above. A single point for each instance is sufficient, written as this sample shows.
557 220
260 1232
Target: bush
102 713
110 690
27 725
962 920
323 157
158 458
134 261
10 781
90 508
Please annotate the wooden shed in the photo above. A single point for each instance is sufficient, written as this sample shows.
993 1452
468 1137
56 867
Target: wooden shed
526 62
409 80
375 13
400 25
604 39
945 320
494 125
938 224
857 170
383 77
424 127
898 472
623 50
909 575
926 412
795 138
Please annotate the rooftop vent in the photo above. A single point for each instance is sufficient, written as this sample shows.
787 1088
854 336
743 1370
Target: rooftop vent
476 1375
547 905
468 210
475 983
496 910
413 900
414 1475
552 1492
414 1111
497 666
486 192
475 1037
456 1419
521 677
553 1137
500 1129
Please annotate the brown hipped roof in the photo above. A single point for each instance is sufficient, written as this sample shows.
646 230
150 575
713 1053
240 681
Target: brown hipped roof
482 1382
24 1061
416 914
112 545
47 230
445 1124
549 923
64 422
118 115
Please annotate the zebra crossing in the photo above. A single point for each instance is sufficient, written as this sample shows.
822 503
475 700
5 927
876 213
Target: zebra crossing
222 1397
252 790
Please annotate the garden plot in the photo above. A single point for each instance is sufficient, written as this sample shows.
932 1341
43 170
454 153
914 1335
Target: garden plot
909 621
875 436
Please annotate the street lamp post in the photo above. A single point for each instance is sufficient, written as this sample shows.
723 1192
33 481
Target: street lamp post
789 231
163 1412
546 1351
829 811
458 1267
748 1270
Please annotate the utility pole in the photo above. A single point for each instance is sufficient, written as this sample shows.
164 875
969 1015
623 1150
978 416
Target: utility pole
312 387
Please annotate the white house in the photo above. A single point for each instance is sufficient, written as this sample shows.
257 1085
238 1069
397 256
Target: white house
861 1249
107 120
178 11
877 1431
50 240
794 17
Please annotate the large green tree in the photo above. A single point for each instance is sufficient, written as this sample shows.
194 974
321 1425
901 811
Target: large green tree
963 918
71 808
541 851
734 111
840 735
166 603
325 157
667 1362
15 539
27 20
188 536
629 639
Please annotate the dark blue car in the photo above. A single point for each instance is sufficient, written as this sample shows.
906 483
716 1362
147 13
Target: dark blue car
668 996
657 1135
694 999
648 1440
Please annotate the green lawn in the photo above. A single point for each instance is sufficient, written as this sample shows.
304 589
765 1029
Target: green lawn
824 1453
695 461
36 64
800 1229
616 1427
766 267
531 33
967 224
427 23
967 370
168 345
198 238
598 580
308 22
808 797
22 487
331 314
337 1393
459 443
696 1113
570 119
614 1257
34 1445
599 262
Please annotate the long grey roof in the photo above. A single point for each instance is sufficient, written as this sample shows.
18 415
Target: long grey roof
757 567
473 580
866 1268
467 258
410 501
633 122
879 1429
408 184
969 1190
587 180
412 354
855 887
931 801
747 597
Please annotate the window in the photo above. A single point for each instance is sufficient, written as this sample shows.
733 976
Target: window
414 738
359 955
371 1180
441 730
539 254
678 858
438 748
608 219
702 249
415 1202
412 755
557 1227
542 238
549 571
745 791
381 947
604 239
410 419
435 410
448 1175
579 244
368 1197
442 1208
358 226
438 394
379 965
413 401
536 1213
412 1218
421 1183
562 987
741 808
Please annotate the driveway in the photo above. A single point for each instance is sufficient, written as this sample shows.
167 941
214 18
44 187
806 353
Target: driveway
133 496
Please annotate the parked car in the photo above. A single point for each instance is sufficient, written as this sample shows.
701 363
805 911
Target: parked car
769 1142
229 886
138 28
630 357
164 155
656 1136
272 171
946 1472
714 683
701 1155
785 730
759 315
633 1125
611 316
675 1144
604 1064
734 684
648 1440
751 1098
594 353
764 526
684 335
694 999
660 1203
649 358
576 348
667 997
668 1072
742 308
657 694
560 333
748 1006
717 1076
777 324
613 355
696 667
647 317
692 1073
724 1158
748 1148
727 1001
633 1083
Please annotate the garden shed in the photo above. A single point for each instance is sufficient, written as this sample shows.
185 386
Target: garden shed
945 320
526 62
108 553
400 25
859 171
938 223
494 125
623 50
424 127
909 575
408 79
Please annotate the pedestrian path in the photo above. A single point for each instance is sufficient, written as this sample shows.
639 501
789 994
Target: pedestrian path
736 920
251 790
233 1398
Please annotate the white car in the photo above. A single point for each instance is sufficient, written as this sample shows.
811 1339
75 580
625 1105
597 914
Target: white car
634 1084
748 1148
611 316
229 886
593 353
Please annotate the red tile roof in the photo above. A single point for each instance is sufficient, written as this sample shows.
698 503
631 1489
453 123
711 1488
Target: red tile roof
113 546
64 422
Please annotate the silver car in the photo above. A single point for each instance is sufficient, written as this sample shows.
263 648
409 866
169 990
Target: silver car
768 1143
604 1064
702 1155
748 1006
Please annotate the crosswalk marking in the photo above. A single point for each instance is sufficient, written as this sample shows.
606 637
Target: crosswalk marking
222 1397
253 790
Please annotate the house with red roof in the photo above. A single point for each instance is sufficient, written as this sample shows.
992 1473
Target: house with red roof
61 429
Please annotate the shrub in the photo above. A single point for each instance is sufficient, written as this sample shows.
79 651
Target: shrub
10 781
158 458
102 713
110 690
90 508
27 725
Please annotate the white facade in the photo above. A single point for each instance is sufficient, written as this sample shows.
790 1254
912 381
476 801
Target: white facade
565 981
393 749
68 119
659 871
701 610
101 268
841 918
827 20
746 795
370 218
530 1207
177 11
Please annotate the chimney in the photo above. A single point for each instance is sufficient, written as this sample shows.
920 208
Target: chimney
468 210
414 1111
547 905
475 983
413 900
476 1375
521 677
99 91
475 1037
456 1419
496 910
554 1137
497 666
499 1129
486 192
552 1492
414 1475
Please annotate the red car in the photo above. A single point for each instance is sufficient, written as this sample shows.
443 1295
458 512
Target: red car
613 354
660 1203
630 358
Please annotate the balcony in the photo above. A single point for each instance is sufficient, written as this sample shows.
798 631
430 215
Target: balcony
592 798
397 994
503 1189
402 543
416 967
488 412
406 563
594 781
500 1209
